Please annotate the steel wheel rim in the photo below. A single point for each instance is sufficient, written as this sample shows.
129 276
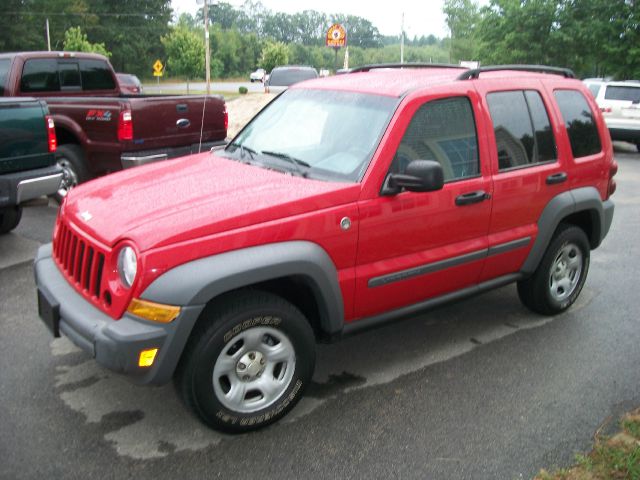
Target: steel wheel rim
566 271
254 369
69 177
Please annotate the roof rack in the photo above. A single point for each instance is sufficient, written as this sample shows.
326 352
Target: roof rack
376 66
475 73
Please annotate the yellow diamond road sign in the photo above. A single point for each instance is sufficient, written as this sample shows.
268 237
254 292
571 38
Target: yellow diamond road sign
157 68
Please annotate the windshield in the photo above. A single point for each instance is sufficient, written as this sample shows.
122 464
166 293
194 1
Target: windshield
321 134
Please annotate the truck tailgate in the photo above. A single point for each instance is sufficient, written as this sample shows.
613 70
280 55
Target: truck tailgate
162 121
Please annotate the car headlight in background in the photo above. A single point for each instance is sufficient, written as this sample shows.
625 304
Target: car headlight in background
127 266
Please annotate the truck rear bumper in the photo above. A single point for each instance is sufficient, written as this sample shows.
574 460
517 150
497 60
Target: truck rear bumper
18 187
135 159
115 344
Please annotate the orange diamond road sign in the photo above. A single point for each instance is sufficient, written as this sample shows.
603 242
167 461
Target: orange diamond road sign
157 68
336 36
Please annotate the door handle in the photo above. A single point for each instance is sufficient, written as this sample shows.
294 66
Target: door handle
183 123
472 197
556 178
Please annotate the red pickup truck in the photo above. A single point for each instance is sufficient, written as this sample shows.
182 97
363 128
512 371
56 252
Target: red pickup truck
101 130
346 203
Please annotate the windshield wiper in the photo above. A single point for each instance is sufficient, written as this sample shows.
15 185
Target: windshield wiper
296 162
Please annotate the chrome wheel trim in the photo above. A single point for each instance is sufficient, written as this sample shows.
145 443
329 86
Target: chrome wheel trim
566 271
254 369
69 177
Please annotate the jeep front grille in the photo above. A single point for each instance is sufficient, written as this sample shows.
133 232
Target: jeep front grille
82 261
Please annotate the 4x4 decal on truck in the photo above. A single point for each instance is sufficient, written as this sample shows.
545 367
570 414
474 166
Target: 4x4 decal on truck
98 115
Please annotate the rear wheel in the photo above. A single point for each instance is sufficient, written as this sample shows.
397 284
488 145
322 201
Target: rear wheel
248 365
70 158
558 280
9 218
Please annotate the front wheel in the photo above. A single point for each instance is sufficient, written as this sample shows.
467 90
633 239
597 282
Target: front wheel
558 280
248 364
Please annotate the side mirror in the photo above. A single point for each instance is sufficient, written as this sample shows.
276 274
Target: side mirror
419 176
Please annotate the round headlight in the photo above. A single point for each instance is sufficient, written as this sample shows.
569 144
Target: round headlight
127 266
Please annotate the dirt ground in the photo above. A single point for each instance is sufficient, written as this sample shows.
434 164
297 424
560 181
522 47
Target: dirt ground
243 108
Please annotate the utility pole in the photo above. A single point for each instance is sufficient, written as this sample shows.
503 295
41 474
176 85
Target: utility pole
402 40
48 36
207 59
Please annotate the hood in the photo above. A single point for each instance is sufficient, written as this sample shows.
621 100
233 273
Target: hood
194 196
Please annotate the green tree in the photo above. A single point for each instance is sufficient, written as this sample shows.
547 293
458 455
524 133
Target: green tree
185 54
274 54
76 41
462 17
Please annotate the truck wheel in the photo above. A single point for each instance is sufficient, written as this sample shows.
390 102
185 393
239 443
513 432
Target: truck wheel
70 157
558 280
248 363
10 218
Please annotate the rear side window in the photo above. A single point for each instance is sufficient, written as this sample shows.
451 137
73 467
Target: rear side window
96 75
580 123
522 129
5 64
628 94
444 131
40 75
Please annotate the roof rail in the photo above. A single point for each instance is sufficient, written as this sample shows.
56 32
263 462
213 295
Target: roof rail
475 73
376 66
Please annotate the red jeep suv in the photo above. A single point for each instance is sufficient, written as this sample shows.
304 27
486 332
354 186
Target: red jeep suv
347 202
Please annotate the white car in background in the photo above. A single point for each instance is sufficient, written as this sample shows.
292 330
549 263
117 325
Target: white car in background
257 76
620 106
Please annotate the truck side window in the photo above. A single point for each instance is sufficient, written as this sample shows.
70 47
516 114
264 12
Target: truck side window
5 65
444 131
69 76
578 119
96 75
522 129
40 75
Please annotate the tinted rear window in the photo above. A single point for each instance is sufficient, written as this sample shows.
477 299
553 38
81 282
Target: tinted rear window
629 94
289 76
579 121
5 64
96 75
40 75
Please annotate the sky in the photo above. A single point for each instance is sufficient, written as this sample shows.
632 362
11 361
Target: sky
421 17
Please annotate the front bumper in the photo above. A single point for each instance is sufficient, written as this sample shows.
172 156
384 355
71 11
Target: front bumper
135 159
18 187
115 344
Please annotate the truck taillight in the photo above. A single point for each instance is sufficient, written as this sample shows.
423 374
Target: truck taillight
52 141
226 118
125 126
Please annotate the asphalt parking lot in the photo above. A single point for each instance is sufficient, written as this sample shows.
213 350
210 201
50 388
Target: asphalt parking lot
481 389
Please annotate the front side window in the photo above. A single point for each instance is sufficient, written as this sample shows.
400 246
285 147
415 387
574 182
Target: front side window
580 123
322 134
444 131
522 129
40 75
96 75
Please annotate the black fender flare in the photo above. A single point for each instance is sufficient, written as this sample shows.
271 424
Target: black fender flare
199 281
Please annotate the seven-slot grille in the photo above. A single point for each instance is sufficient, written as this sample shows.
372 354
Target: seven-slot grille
80 260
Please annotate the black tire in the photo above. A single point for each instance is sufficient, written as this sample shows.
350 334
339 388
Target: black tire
638 146
70 157
558 280
243 331
10 218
